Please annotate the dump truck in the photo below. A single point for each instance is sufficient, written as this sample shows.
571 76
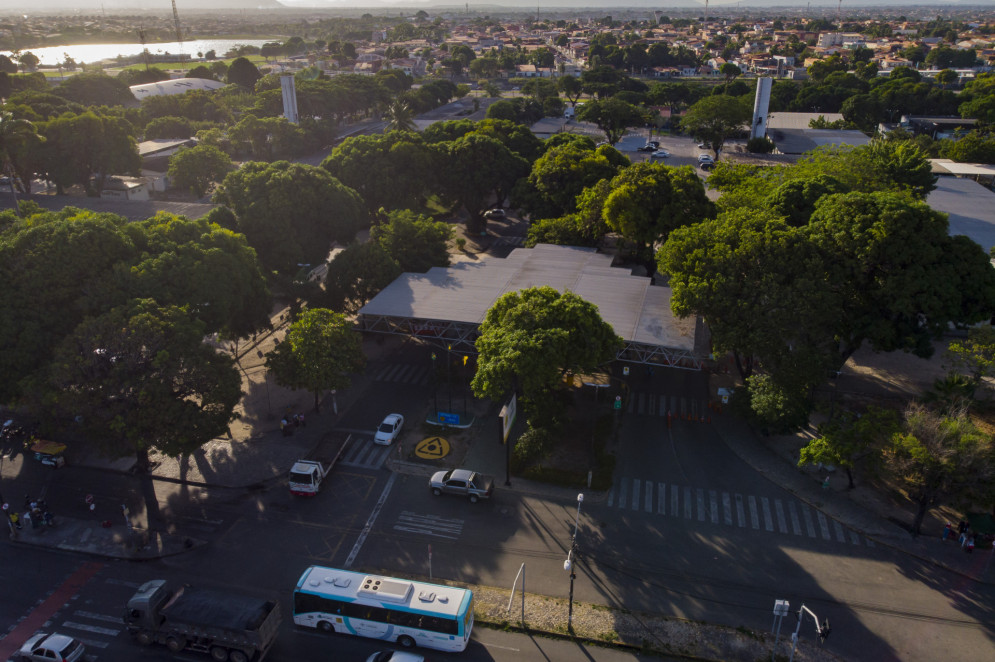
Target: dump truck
228 626
306 476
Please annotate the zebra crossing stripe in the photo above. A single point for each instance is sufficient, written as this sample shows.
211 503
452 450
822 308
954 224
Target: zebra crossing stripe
700 500
795 524
740 513
622 496
661 498
635 493
648 507
823 525
726 509
840 535
714 503
809 526
768 522
673 500
782 524
687 503
753 512
854 537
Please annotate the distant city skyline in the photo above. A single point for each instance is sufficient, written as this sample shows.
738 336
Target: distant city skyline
42 6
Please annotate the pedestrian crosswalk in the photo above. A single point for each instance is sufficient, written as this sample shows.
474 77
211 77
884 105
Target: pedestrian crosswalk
715 507
405 373
678 407
363 453
449 528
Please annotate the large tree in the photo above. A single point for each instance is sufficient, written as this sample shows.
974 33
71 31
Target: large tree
195 168
243 73
532 338
852 439
290 212
85 149
13 133
140 377
416 242
940 459
561 173
357 274
647 201
319 353
612 116
717 118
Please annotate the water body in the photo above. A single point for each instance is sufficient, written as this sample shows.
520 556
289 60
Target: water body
90 53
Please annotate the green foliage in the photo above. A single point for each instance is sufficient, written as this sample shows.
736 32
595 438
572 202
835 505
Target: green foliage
195 168
759 146
975 357
717 118
612 116
940 458
530 339
796 198
357 274
290 212
243 73
563 231
319 353
168 127
561 173
852 439
84 149
140 377
95 89
416 243
975 147
531 448
777 408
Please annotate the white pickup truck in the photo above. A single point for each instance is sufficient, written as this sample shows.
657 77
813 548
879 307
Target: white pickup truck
306 476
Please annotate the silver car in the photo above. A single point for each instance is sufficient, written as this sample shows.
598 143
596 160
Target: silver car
462 482
51 648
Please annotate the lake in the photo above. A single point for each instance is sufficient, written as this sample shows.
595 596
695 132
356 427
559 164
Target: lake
90 53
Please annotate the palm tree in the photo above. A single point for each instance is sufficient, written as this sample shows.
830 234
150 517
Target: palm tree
12 131
401 116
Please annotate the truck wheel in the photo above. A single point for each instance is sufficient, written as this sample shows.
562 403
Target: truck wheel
406 642
219 653
436 491
324 626
144 638
176 644
473 498
237 656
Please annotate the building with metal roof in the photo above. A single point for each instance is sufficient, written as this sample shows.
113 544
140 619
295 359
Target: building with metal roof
447 305
969 206
174 86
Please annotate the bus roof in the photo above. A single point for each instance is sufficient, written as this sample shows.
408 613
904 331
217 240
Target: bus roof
401 594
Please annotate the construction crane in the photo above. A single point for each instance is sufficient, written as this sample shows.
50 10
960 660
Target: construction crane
176 23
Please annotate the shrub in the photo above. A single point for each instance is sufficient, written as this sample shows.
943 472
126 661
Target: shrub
759 146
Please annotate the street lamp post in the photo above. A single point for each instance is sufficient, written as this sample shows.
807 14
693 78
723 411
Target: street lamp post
568 565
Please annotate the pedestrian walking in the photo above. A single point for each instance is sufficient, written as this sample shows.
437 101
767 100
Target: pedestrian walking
948 530
825 483
970 545
962 527
300 419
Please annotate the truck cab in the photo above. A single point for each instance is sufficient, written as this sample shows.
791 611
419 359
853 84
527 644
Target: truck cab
144 609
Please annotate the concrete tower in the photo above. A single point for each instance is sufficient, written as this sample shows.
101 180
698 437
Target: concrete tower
758 129
289 90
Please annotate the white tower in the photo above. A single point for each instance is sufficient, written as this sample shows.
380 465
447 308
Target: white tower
289 97
758 129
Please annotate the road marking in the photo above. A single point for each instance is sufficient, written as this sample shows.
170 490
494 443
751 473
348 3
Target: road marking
369 522
740 512
768 521
700 500
648 507
753 512
90 628
505 648
840 535
687 503
635 493
726 509
661 499
854 537
823 524
713 502
808 522
782 524
795 524
93 616
91 643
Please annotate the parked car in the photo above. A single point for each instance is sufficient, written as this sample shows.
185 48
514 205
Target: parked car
395 656
646 148
660 154
462 482
704 145
389 429
495 213
705 158
51 648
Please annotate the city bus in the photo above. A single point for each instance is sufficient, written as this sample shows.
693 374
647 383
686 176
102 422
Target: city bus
409 612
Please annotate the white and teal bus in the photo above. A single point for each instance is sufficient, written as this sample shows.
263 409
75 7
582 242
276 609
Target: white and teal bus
408 612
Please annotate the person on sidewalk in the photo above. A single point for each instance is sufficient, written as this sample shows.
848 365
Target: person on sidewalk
948 531
970 545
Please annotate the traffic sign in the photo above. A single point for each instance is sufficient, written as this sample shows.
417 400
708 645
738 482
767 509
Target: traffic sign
448 419
618 402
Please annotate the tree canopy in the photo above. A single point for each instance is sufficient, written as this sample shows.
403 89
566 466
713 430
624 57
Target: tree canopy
716 118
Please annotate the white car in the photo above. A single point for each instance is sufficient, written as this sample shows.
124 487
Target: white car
660 154
395 656
388 430
705 159
51 648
